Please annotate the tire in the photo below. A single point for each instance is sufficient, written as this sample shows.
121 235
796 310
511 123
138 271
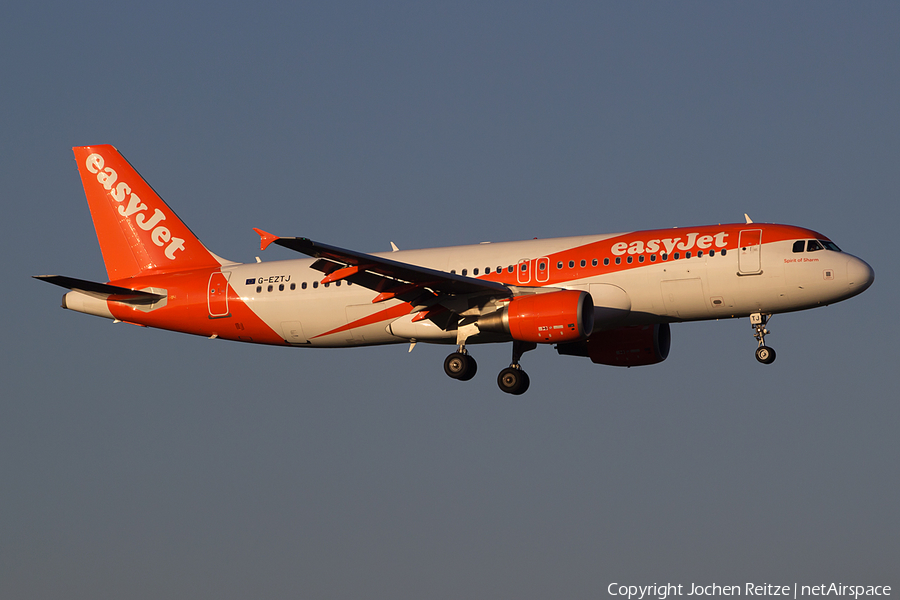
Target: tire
460 366
526 381
470 370
513 381
765 355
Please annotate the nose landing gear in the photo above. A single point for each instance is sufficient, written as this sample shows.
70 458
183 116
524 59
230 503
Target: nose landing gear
764 354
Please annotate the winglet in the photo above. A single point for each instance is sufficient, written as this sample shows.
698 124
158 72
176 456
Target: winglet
265 238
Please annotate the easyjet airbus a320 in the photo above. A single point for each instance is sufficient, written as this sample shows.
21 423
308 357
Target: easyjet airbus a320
606 297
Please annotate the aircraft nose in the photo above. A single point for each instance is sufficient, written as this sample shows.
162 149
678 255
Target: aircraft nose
859 275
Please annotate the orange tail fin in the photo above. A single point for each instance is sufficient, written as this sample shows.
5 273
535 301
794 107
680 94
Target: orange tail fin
138 233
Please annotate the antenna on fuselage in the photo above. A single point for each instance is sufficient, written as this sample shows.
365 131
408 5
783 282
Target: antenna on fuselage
749 220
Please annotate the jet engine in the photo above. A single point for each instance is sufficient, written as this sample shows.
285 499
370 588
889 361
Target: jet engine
553 317
631 346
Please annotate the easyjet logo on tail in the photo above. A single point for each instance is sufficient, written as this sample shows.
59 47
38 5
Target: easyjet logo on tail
130 205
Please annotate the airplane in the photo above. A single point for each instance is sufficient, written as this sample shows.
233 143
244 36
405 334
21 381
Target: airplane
609 298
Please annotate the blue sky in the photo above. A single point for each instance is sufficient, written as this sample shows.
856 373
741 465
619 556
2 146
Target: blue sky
144 464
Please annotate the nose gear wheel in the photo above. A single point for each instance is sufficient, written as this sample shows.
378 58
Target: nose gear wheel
764 354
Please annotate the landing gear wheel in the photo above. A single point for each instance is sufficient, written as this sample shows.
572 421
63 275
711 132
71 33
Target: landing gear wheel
460 366
513 381
765 355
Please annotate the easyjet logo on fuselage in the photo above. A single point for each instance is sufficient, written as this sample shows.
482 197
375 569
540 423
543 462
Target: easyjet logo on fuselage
669 244
121 192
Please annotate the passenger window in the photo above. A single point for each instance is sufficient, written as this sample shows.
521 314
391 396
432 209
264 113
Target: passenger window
641 258
699 253
618 260
487 270
303 285
315 284
269 289
665 256
583 263
280 287
523 267
813 245
594 263
712 252
687 254
676 256
559 265
453 271
799 245
338 283
605 262
293 286
571 264
465 272
258 289
724 251
475 271
327 284
629 259
652 258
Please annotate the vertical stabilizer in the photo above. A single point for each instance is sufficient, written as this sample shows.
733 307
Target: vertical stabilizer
138 233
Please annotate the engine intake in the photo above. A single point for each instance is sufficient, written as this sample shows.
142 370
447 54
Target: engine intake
553 317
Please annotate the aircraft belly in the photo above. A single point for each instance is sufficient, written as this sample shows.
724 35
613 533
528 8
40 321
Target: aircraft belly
684 298
683 285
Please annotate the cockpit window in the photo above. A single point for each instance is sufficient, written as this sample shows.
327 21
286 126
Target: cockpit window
799 245
830 246
813 245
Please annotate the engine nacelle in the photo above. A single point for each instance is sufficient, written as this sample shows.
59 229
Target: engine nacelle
624 347
553 317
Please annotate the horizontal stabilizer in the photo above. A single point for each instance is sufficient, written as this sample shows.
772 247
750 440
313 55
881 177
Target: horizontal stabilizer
102 291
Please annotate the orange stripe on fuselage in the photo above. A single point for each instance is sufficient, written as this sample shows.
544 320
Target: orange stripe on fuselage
394 312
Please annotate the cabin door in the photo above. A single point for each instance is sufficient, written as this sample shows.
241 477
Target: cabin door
749 244
217 294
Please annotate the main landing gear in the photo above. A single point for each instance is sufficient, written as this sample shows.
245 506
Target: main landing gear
512 380
460 365
764 354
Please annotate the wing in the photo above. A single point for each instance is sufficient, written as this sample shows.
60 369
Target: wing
420 286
